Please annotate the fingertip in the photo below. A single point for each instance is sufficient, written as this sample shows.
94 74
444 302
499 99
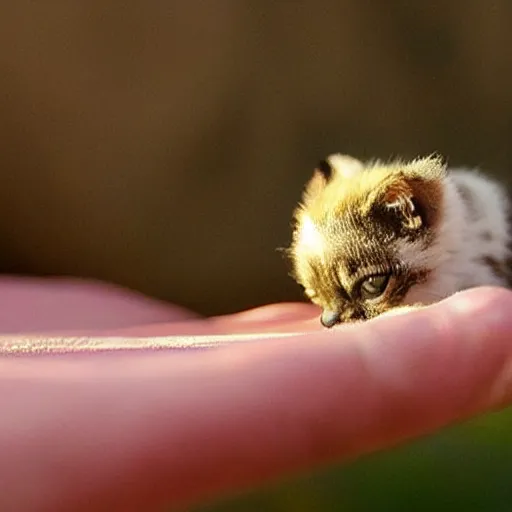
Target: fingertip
461 343
481 300
475 309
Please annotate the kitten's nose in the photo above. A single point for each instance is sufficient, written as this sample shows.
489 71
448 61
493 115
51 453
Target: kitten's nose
329 318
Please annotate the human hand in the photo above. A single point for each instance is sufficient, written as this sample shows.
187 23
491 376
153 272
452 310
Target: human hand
134 429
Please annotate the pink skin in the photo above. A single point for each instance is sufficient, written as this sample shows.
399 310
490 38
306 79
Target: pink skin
133 429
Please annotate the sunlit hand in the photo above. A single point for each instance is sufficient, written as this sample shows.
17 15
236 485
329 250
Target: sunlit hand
134 429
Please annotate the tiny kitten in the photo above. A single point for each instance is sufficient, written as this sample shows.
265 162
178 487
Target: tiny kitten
372 237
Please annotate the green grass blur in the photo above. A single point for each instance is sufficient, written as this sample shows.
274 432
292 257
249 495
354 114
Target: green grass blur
466 468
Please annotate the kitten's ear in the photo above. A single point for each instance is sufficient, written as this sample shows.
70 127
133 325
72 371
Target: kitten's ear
335 165
430 168
414 192
343 166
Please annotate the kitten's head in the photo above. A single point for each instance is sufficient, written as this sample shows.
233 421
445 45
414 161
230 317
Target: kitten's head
361 233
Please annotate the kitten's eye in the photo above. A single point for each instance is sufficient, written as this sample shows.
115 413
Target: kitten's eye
374 286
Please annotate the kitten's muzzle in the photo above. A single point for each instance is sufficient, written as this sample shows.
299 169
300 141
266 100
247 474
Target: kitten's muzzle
331 317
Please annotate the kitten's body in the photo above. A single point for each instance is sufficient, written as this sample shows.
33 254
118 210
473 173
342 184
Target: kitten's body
473 240
418 231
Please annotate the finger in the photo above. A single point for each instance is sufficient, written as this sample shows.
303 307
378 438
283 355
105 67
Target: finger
274 318
42 305
139 430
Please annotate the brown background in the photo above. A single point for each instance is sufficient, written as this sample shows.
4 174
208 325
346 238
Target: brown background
163 145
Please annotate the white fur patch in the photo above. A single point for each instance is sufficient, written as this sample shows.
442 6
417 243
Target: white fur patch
414 254
310 238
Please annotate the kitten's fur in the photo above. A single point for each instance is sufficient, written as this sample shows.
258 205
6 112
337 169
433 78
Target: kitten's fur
428 232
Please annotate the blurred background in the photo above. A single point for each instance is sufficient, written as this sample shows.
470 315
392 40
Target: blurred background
163 146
